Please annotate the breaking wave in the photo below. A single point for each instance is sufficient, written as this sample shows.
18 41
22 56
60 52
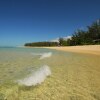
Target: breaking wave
43 55
37 77
46 55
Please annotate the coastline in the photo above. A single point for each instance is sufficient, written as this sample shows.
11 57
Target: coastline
87 49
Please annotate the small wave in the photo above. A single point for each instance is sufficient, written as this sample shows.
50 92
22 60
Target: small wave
37 77
43 55
46 55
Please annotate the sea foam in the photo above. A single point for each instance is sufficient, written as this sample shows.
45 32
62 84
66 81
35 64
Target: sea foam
43 55
46 55
36 77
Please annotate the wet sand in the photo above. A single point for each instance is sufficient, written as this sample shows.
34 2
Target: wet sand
90 49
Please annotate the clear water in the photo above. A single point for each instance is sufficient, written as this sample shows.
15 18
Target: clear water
16 63
55 75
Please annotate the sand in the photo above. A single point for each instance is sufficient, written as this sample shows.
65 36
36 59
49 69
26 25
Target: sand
74 76
90 49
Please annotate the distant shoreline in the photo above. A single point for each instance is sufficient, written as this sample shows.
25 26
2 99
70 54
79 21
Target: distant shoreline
89 49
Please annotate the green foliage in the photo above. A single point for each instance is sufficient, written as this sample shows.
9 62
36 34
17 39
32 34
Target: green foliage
91 36
94 30
41 44
62 42
80 37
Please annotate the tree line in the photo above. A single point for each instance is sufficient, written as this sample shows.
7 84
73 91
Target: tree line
41 44
91 36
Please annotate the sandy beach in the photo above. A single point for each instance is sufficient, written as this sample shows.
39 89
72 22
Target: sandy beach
90 49
54 75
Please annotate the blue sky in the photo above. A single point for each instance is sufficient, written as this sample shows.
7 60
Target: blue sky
24 21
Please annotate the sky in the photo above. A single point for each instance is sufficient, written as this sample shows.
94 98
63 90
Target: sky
23 21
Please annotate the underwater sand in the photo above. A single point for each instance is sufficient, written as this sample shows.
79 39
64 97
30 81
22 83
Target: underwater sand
73 76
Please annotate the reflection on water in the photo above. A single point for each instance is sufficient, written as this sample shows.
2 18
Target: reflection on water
74 76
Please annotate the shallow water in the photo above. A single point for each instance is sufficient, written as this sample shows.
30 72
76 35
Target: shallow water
73 76
16 63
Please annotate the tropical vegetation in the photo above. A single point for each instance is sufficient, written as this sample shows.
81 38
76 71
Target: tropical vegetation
89 36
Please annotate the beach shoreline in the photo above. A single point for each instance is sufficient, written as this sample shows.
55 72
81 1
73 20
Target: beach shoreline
87 49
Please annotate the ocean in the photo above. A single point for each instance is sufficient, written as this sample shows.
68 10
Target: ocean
18 63
45 74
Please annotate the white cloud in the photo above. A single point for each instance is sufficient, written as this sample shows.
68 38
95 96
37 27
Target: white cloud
57 39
